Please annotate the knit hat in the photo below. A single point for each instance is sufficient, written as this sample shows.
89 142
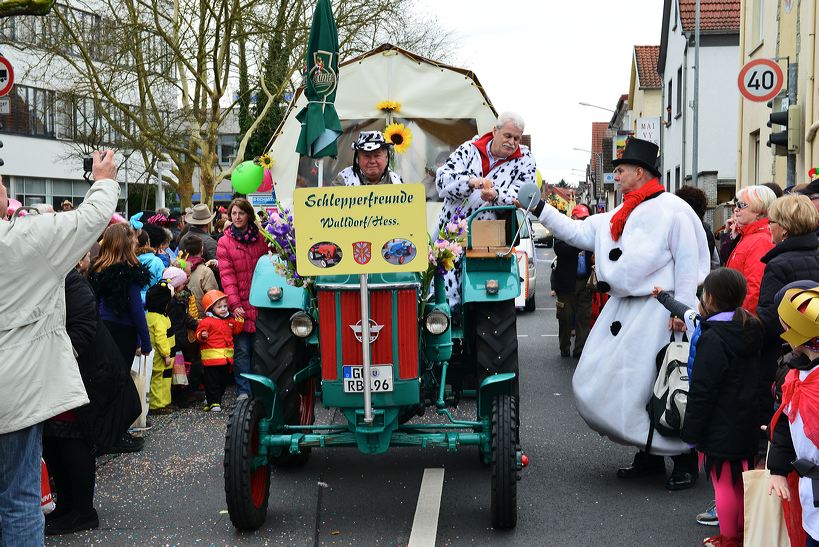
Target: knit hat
175 276
799 311
158 297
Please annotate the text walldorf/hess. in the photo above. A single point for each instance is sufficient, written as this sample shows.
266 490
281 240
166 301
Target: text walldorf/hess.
366 222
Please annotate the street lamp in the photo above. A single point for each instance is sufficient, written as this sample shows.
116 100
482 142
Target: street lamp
595 106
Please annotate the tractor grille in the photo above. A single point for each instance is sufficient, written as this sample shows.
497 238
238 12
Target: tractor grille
394 310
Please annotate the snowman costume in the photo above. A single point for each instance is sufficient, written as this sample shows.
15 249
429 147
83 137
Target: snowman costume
473 159
663 245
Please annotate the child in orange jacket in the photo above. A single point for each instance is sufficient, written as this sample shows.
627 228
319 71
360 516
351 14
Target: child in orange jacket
215 335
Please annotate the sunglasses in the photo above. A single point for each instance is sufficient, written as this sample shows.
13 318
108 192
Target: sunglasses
740 204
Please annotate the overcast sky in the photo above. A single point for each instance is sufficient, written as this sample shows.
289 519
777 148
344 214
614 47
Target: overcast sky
540 58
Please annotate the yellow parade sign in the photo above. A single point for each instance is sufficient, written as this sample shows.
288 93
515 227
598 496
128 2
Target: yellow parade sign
360 229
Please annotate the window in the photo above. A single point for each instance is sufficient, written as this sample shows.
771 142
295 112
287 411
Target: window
31 112
676 178
227 149
674 9
753 159
679 92
757 22
668 106
668 179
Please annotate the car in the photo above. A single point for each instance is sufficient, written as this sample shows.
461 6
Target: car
541 235
527 265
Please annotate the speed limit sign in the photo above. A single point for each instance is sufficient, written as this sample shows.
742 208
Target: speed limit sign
760 80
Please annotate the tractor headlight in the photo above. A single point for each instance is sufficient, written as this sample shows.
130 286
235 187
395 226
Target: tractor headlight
436 322
301 324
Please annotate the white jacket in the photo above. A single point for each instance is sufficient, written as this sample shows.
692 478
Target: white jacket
39 377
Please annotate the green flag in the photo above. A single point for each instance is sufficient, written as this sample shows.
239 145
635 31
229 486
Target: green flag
320 126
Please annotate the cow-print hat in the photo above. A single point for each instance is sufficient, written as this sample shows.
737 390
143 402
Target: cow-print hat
370 140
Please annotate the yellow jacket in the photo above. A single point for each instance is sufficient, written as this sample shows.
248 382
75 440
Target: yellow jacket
158 327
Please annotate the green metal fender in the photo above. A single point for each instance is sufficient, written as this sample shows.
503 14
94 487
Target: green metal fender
477 271
497 384
266 278
264 390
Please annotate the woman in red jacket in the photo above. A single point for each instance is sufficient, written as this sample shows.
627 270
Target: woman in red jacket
751 226
238 251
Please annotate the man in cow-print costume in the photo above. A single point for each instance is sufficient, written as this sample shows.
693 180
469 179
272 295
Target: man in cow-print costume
487 170
371 160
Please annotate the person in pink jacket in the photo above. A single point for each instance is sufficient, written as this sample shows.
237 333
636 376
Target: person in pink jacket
238 251
750 224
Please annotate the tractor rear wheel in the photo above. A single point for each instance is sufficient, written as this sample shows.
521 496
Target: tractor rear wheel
279 354
247 482
504 501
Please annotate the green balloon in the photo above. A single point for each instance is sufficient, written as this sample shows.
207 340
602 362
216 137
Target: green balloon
247 177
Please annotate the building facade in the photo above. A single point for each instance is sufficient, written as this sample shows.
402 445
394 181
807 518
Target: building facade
786 32
718 95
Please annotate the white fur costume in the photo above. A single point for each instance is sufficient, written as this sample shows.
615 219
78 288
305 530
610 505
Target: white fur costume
452 180
663 244
347 177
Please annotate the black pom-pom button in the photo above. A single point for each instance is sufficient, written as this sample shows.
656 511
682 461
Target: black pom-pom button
615 253
602 286
615 328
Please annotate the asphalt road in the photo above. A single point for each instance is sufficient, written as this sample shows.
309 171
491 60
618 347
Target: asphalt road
172 492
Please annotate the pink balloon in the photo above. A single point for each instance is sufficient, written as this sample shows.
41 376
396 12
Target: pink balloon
116 218
13 206
267 182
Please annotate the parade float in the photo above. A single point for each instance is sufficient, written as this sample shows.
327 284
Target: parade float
353 313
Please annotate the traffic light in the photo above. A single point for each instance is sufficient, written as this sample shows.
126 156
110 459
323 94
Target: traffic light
789 140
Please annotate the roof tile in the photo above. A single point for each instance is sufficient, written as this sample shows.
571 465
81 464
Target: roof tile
647 58
714 14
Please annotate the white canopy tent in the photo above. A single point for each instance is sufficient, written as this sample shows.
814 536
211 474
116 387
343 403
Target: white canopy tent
442 105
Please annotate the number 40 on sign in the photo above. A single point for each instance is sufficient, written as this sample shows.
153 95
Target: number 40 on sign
760 80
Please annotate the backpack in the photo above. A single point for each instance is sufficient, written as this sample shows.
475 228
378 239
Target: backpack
666 408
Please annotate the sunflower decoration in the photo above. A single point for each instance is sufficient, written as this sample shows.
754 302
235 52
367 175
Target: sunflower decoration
399 136
389 106
265 161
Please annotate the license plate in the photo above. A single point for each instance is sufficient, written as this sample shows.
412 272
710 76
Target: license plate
380 378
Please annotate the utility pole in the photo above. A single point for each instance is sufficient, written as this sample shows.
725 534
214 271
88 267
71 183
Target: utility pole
792 83
695 141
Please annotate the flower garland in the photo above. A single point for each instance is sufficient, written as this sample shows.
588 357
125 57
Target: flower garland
447 250
389 106
399 136
281 235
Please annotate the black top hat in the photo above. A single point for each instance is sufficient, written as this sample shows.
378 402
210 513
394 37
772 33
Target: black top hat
641 153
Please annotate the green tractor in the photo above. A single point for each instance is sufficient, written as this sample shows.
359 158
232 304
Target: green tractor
309 346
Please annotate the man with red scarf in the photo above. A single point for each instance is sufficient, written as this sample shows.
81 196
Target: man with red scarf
653 239
487 170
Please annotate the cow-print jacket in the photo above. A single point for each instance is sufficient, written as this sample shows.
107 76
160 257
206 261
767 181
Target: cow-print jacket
465 163
348 178
452 182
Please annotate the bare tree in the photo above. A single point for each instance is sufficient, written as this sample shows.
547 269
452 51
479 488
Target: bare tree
158 78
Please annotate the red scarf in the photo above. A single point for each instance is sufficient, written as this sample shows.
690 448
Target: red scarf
803 397
482 145
630 202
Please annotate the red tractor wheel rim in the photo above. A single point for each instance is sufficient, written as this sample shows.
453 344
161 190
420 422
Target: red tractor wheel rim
258 477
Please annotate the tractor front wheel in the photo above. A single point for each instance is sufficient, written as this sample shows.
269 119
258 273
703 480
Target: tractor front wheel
247 481
504 502
495 339
279 354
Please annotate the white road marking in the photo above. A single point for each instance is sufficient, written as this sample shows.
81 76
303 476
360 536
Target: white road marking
425 523
545 309
523 336
549 335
